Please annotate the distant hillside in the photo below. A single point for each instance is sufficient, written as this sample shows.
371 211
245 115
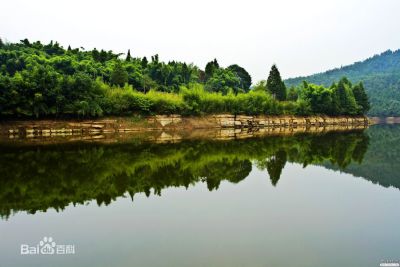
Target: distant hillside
380 75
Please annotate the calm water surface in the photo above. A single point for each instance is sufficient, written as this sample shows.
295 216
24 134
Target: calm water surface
306 200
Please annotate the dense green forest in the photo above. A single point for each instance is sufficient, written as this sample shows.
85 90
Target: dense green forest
380 75
36 178
45 80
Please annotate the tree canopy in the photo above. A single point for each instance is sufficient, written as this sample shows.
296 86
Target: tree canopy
45 80
339 99
243 75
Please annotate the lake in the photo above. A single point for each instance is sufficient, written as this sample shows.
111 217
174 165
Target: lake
327 199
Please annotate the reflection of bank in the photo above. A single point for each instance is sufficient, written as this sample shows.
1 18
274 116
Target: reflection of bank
72 129
168 136
385 120
36 178
381 160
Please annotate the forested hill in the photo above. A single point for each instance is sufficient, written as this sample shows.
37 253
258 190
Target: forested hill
380 75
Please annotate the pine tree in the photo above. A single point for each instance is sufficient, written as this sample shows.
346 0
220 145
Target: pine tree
275 85
1 43
144 62
69 48
128 56
216 65
185 73
95 55
211 67
154 58
103 57
341 96
361 98
26 42
345 98
119 75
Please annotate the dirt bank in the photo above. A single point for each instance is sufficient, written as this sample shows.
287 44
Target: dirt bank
221 126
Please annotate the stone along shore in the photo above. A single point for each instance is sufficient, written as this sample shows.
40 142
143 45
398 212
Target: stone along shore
173 123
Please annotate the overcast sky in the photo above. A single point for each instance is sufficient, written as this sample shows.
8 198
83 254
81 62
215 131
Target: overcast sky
301 37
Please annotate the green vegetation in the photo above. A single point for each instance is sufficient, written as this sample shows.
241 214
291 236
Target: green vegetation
275 85
379 74
35 178
39 80
342 98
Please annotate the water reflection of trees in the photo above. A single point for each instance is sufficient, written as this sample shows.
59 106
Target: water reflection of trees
381 161
274 165
38 178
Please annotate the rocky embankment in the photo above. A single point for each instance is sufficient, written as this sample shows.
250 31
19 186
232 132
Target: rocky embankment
225 123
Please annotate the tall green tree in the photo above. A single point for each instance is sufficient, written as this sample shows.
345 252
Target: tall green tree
154 58
361 98
275 85
144 62
210 68
119 75
318 97
128 56
345 97
96 55
26 42
244 76
223 80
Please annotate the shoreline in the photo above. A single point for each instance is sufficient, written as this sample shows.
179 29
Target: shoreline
173 127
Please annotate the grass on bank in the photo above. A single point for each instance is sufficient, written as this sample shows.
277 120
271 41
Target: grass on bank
194 100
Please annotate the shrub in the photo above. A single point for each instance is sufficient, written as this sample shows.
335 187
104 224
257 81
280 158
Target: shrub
163 103
199 101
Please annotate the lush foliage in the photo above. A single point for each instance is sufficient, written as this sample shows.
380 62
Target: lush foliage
339 99
244 76
39 80
379 74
